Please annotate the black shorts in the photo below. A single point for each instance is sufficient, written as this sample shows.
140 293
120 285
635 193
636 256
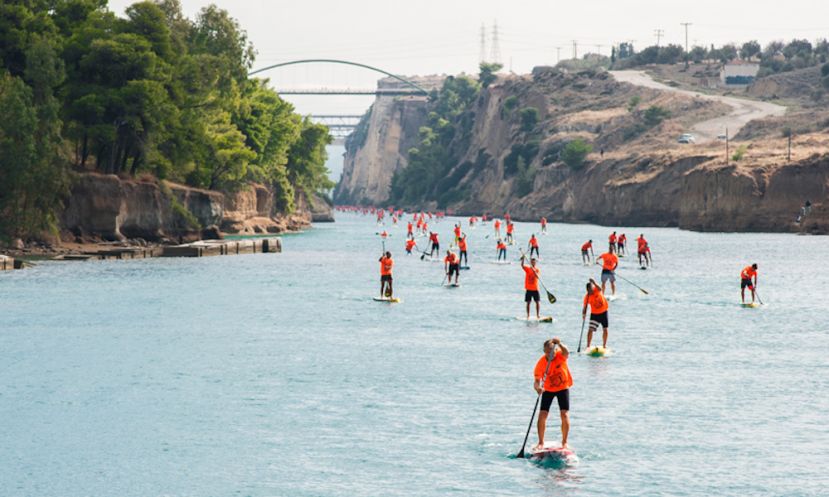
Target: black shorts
584 252
746 283
599 319
385 277
435 246
532 295
563 397
453 269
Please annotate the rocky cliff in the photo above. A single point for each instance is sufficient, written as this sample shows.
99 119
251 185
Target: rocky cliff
110 208
637 173
378 148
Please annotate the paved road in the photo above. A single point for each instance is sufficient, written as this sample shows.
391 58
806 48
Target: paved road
743 110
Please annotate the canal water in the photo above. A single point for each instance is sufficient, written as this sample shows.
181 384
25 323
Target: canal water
278 375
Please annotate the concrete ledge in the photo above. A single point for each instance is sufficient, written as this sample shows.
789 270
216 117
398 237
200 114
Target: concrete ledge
206 248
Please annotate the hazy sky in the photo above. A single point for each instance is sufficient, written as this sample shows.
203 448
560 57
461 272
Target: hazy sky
430 37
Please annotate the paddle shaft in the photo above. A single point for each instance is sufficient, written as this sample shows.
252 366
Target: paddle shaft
535 408
758 295
583 320
634 284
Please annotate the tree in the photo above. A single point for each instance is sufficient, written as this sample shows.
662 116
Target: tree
749 50
529 118
487 75
654 115
634 102
575 153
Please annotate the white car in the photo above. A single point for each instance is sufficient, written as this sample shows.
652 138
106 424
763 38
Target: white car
687 138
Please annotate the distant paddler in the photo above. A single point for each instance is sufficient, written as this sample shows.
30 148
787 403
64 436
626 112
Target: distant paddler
553 381
587 257
598 312
533 245
748 274
386 265
451 264
544 225
457 231
531 275
497 225
409 231
462 247
612 242
433 237
410 244
643 250
510 230
609 264
621 243
501 247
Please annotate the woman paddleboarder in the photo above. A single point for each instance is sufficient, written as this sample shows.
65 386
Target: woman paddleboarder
556 385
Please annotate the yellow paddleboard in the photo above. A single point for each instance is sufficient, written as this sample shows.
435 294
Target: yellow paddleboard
598 351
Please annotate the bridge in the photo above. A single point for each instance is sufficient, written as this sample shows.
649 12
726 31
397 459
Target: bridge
341 126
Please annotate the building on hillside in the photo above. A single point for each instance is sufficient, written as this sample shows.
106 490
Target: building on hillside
739 73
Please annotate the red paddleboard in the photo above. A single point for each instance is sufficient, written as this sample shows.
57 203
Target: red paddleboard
552 453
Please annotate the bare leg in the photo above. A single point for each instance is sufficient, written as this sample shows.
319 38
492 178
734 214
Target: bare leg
541 426
589 336
743 294
604 338
565 427
528 309
612 287
537 309
391 292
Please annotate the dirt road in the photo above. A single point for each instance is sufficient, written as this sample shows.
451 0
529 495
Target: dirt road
743 110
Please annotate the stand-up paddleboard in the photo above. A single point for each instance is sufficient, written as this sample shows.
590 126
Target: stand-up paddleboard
500 262
390 300
533 319
452 285
643 268
750 305
463 268
611 298
598 351
553 454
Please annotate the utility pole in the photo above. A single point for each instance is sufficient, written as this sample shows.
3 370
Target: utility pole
558 55
789 155
659 33
575 50
599 48
726 146
687 55
482 57
495 55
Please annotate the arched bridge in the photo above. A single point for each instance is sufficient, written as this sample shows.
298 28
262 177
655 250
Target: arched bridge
408 87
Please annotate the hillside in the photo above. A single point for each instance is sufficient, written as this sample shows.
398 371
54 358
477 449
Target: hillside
636 173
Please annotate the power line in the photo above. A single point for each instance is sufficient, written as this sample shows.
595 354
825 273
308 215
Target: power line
659 33
495 55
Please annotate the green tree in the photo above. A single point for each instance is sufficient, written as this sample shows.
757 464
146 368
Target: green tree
529 118
634 102
575 153
486 75
654 115
750 49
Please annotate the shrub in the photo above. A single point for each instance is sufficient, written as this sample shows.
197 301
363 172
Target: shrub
739 153
529 118
525 178
654 115
575 153
510 103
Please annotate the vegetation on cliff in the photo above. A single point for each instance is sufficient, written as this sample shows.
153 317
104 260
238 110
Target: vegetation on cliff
151 93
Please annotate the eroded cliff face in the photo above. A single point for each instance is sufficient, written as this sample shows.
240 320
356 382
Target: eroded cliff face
114 209
634 176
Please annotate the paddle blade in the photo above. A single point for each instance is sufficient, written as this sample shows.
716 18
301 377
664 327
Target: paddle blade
520 454
551 298
644 291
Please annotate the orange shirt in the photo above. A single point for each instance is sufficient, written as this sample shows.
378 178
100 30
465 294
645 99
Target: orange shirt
558 376
531 278
502 246
510 228
641 242
587 245
598 304
451 258
609 261
543 221
409 227
622 238
534 242
612 238
410 244
497 224
462 244
747 273
386 263
457 231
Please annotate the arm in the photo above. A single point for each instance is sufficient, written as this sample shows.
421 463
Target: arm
564 351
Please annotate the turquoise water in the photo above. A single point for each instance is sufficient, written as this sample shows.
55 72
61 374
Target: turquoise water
277 375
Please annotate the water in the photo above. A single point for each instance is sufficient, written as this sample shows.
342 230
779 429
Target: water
277 375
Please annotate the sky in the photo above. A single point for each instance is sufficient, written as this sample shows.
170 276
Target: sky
443 37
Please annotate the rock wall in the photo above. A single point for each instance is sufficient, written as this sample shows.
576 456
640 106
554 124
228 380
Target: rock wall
110 208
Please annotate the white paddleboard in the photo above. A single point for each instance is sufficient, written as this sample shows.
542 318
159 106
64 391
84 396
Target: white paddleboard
533 319
553 453
750 305
500 262
390 300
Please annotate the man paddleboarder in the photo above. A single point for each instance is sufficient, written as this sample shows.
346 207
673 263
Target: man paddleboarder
433 237
746 276
386 265
586 256
553 381
598 312
531 285
533 245
451 264
501 247
462 247
609 263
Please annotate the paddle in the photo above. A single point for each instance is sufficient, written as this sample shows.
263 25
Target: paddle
634 284
537 400
758 296
581 334
550 296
